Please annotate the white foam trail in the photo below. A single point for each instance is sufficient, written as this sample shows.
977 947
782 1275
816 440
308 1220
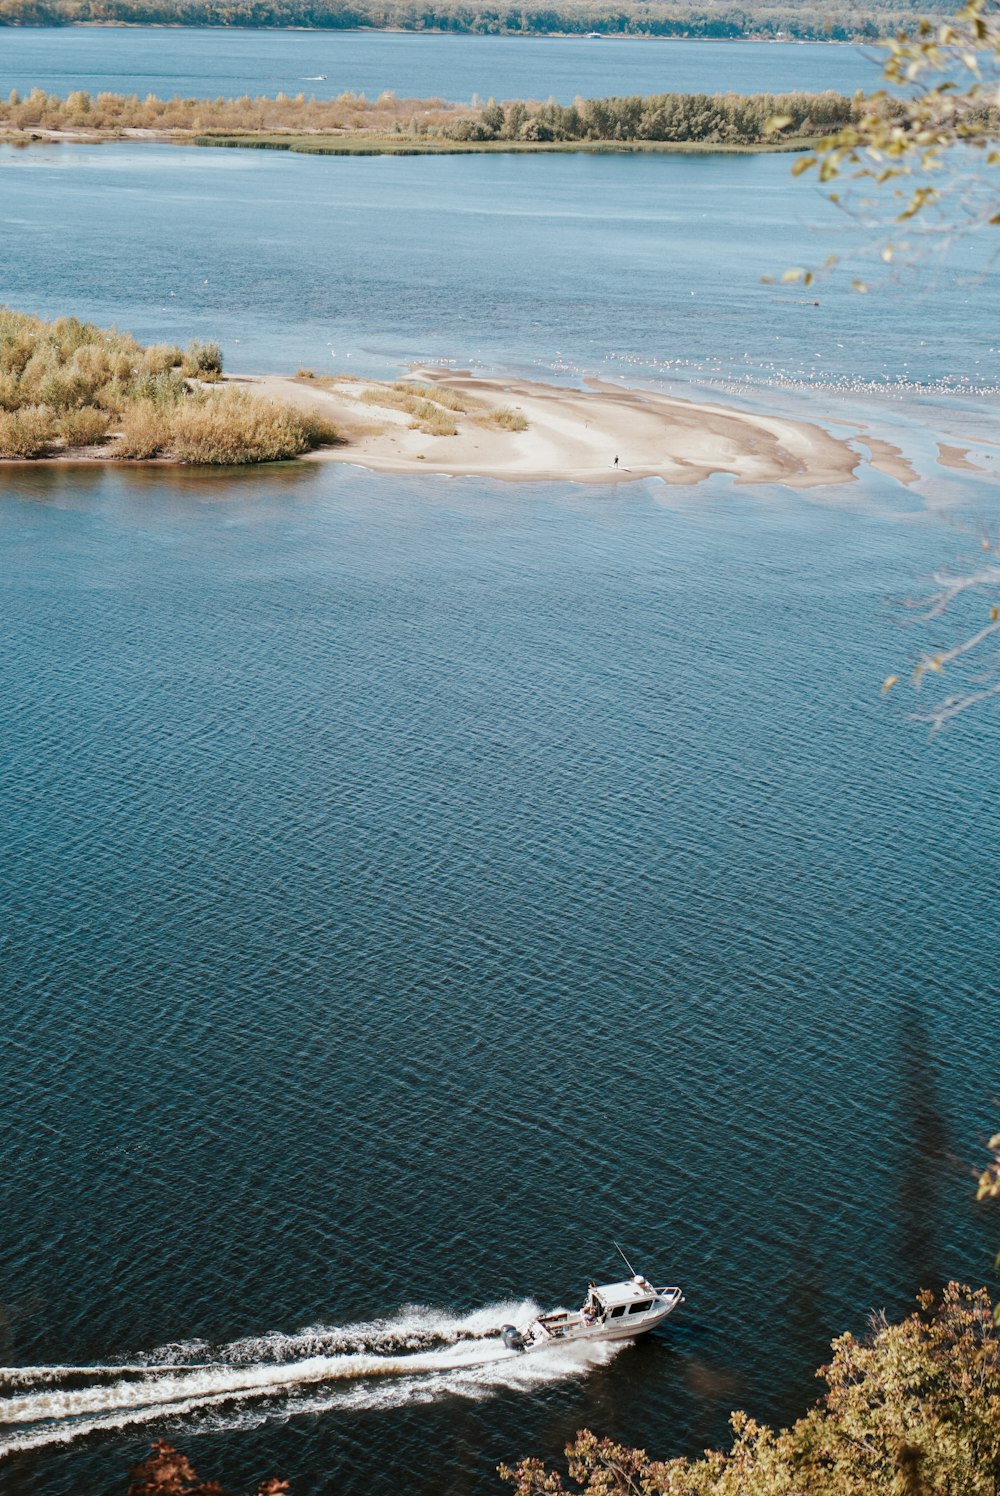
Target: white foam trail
220 1380
471 1362
29 1374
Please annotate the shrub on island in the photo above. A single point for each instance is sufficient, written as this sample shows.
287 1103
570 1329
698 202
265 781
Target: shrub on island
69 385
234 427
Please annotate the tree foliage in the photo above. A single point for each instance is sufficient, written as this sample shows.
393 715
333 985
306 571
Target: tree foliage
933 147
917 165
732 119
166 1472
974 656
914 1410
796 19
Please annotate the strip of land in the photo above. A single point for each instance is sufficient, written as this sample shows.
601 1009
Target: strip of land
351 124
524 431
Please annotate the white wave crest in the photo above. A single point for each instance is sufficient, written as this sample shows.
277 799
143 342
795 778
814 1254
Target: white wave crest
419 1355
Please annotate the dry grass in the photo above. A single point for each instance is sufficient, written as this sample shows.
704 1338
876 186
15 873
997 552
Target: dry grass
105 113
144 431
27 432
508 418
432 420
234 427
80 384
84 428
427 414
438 393
320 431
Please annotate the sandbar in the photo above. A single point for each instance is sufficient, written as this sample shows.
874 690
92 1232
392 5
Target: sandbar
570 435
887 458
957 457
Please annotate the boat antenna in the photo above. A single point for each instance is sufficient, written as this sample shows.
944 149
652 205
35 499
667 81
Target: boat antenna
624 1259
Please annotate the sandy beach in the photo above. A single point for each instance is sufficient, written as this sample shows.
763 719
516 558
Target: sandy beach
523 431
574 435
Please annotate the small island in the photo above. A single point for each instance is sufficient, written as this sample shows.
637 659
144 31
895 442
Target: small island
74 392
351 124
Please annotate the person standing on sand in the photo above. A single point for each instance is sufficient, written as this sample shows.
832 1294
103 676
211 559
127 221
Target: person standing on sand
616 462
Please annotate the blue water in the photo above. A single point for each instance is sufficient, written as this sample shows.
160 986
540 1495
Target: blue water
642 264
411 885
203 64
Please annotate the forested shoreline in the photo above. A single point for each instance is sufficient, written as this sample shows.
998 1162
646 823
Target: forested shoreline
654 18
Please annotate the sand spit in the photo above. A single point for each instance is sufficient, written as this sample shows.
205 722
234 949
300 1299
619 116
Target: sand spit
570 435
887 458
957 457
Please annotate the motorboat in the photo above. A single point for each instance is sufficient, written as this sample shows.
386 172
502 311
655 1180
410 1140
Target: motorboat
611 1311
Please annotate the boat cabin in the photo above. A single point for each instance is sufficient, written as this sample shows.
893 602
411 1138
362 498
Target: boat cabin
613 1301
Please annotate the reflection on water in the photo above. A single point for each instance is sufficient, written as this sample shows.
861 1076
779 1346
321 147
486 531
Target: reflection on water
76 485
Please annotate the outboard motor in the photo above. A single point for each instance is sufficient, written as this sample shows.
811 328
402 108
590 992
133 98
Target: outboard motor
512 1337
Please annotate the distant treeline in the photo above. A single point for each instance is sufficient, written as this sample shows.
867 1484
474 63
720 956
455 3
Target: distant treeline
727 119
795 19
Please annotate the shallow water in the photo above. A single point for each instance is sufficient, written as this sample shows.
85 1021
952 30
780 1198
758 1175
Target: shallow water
203 64
411 886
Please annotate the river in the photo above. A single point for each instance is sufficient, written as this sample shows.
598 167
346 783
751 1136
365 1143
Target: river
412 886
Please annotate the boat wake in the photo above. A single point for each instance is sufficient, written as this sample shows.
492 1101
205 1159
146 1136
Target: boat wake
420 1355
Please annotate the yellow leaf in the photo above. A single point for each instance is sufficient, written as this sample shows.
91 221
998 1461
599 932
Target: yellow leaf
994 614
860 287
888 683
792 275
